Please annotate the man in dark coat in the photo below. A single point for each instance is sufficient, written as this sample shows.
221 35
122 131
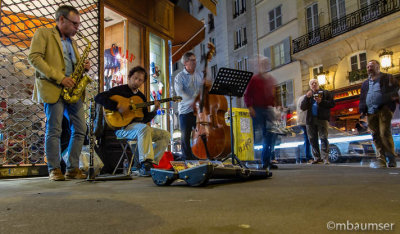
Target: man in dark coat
378 101
318 103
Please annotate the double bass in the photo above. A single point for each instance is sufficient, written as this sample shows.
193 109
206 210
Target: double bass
211 137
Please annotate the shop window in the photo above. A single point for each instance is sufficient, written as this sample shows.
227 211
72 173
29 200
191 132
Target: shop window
158 79
275 18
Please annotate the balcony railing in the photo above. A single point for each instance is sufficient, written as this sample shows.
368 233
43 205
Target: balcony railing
345 24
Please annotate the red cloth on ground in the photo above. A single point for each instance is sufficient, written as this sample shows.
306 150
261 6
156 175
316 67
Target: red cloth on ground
165 161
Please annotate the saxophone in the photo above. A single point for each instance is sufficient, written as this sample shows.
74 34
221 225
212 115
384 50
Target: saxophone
72 95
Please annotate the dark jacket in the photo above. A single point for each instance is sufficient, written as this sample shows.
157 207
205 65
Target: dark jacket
324 106
389 88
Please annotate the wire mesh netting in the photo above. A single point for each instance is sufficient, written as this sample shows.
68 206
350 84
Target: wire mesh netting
22 121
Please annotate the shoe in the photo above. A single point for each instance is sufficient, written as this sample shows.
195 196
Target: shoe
145 168
273 166
326 162
75 173
56 175
379 163
310 161
317 161
391 161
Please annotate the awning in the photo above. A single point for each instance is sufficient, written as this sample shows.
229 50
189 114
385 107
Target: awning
211 5
189 32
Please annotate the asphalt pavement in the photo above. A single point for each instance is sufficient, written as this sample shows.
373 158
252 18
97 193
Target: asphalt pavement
296 199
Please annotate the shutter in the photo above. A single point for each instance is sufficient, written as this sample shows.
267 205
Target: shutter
286 47
289 94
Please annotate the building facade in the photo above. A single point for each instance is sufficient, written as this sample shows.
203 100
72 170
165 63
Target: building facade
337 40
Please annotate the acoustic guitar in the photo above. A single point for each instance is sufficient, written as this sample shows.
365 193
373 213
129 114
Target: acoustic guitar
116 119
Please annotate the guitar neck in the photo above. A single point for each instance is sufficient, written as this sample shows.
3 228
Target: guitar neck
145 104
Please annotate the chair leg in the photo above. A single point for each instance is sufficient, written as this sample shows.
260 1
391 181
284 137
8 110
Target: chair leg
124 146
133 157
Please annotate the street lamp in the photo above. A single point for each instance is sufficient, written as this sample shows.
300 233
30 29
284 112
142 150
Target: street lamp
322 77
386 59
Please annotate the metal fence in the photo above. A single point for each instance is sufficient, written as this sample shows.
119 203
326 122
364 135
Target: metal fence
22 122
347 23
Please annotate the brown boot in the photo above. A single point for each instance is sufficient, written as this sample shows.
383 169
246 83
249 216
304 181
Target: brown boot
75 173
56 175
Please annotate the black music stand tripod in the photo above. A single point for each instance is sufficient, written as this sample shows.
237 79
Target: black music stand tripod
231 82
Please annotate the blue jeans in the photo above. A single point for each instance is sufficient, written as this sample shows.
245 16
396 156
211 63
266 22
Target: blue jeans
145 136
307 146
187 122
264 120
76 117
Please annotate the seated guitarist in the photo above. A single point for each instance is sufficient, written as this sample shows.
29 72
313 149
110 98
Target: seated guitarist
138 129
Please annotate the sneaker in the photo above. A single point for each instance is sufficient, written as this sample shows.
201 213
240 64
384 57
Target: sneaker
379 163
75 173
273 166
391 161
326 162
317 161
310 161
56 175
145 169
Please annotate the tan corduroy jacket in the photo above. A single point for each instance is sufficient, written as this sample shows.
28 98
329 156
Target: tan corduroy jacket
46 56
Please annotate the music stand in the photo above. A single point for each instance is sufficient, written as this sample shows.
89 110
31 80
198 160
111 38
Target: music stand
231 82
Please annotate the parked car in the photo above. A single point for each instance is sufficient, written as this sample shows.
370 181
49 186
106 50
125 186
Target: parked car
341 145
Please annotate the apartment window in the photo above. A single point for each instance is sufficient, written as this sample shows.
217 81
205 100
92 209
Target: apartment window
338 9
275 18
239 64
281 53
236 9
365 3
239 7
238 39
201 7
175 67
243 6
244 36
312 17
214 71
202 51
212 40
284 94
210 22
372 11
358 62
246 63
317 70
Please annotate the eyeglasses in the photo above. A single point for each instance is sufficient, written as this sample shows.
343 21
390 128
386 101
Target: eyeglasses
76 24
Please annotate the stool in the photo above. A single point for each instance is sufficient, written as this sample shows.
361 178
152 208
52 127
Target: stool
125 143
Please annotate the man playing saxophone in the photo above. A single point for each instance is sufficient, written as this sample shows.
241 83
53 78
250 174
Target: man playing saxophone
54 55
